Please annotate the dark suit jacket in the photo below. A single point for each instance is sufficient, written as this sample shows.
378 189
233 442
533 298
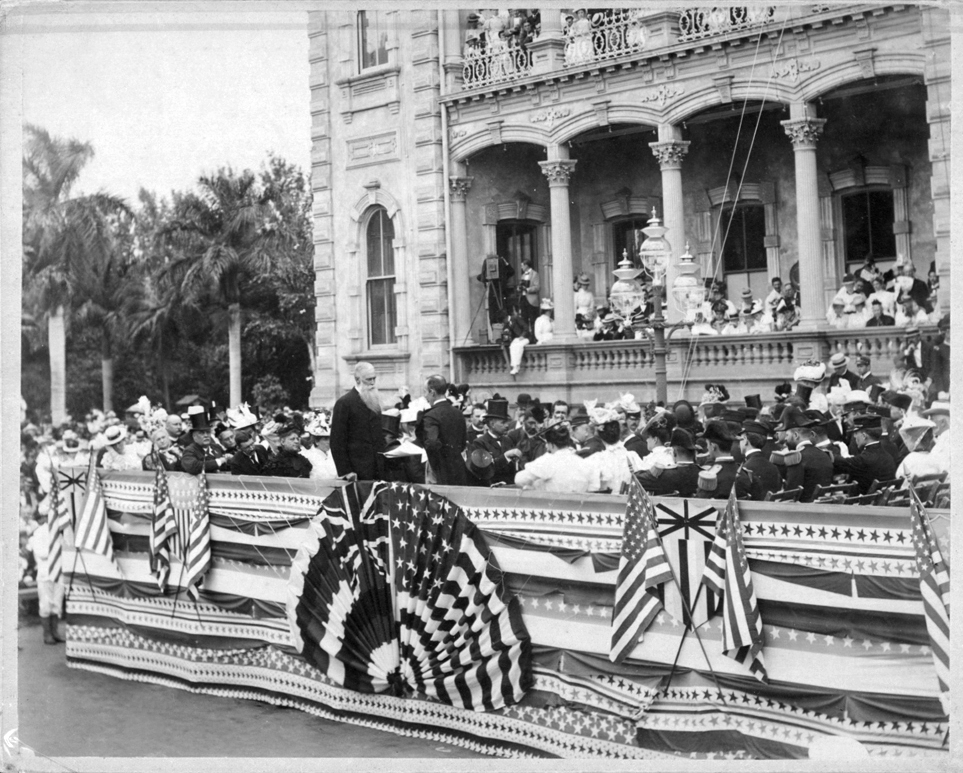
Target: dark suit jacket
867 381
502 470
242 464
441 432
815 468
592 446
531 448
196 458
284 464
637 443
872 463
883 321
682 479
848 375
356 438
757 477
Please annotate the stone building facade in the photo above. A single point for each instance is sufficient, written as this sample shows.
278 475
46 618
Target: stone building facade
780 130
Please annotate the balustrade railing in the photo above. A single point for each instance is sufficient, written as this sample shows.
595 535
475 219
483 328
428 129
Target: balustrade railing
495 65
618 32
698 23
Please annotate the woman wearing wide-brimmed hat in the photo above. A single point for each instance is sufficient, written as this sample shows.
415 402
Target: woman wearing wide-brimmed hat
114 454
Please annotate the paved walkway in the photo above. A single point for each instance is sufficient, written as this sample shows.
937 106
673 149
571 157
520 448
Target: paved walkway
66 712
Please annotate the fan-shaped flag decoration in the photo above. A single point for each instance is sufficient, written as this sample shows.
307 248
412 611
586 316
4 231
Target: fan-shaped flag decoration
397 592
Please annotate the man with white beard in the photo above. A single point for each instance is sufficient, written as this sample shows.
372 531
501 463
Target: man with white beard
356 437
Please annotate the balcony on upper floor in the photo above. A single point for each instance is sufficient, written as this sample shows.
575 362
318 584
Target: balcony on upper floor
500 53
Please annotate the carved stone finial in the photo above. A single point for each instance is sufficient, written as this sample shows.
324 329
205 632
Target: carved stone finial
558 172
803 132
459 187
670 154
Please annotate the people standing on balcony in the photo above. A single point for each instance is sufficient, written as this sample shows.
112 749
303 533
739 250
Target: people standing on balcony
559 469
584 306
878 318
907 284
579 49
775 295
717 295
836 316
846 296
544 323
910 313
496 275
731 327
787 310
886 298
441 432
933 282
528 289
754 320
492 457
356 436
519 334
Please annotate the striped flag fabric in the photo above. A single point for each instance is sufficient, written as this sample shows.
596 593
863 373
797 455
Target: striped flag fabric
59 520
92 532
727 574
197 540
642 567
163 528
935 590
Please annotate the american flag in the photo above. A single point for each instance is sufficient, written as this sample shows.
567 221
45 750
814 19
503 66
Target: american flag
197 541
935 590
727 574
92 532
59 520
642 567
163 528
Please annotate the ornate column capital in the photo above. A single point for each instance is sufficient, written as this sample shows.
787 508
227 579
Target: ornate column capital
558 172
803 132
670 153
459 187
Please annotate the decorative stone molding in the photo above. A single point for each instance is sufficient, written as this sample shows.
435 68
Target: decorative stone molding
803 132
723 84
459 187
495 130
558 172
792 68
865 60
376 149
457 134
670 154
662 94
549 116
601 108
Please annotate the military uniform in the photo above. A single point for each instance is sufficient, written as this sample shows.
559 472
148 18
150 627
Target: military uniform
808 467
757 477
872 463
682 479
717 480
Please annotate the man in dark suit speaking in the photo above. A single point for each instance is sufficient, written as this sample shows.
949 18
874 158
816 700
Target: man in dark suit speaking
356 436
441 431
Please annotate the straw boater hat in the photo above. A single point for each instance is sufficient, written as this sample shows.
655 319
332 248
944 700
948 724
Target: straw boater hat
114 434
583 279
938 408
838 360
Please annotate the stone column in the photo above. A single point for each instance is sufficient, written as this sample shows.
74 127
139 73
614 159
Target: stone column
460 293
670 150
558 172
453 35
548 49
804 129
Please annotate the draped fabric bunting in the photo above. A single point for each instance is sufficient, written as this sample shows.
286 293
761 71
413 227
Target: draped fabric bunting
58 521
727 574
398 593
642 568
163 527
935 589
844 625
196 542
92 532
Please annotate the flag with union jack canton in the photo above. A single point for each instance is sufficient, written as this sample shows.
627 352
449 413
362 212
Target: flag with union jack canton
58 521
163 528
642 567
727 574
935 590
197 542
92 532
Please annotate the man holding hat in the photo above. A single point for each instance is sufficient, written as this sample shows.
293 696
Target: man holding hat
757 476
872 462
806 466
492 455
838 364
199 455
441 432
717 480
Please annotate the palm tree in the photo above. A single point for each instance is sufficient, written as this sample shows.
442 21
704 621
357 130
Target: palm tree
223 236
58 230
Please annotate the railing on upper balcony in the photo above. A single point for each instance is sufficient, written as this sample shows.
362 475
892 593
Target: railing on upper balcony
487 67
698 23
618 32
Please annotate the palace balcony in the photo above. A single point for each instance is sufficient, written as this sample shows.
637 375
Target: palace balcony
746 365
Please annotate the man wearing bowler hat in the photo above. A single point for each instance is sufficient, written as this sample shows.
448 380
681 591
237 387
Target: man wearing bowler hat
441 432
806 465
872 462
757 476
492 456
717 480
199 455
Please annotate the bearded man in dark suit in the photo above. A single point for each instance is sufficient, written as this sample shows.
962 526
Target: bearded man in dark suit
441 432
356 436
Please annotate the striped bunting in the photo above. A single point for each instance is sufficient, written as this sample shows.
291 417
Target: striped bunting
935 589
727 574
642 567
59 520
92 532
197 540
163 528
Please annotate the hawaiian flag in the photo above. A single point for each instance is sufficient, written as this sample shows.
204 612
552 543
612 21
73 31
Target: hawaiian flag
197 540
92 532
642 567
727 574
59 520
163 528
935 590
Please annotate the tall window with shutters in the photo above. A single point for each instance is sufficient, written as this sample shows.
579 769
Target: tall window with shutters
380 290
743 228
372 39
868 217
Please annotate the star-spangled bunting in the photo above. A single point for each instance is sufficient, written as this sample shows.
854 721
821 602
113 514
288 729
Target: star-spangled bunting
642 567
163 528
92 532
935 590
727 574
59 520
197 541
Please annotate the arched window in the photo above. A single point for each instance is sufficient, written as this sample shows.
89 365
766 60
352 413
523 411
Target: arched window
372 39
380 284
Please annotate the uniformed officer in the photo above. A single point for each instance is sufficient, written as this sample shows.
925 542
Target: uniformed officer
827 436
806 465
717 480
757 476
872 462
681 478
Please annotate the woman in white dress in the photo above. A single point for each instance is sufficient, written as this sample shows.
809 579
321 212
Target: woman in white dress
559 469
657 432
579 49
115 453
614 465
